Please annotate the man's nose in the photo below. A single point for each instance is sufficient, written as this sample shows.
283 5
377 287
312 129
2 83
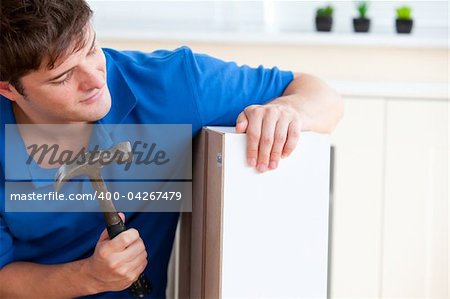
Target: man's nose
91 78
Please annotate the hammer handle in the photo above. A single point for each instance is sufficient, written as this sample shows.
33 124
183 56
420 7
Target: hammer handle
114 225
141 287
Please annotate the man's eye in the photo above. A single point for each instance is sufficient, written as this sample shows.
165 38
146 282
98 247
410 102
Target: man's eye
65 80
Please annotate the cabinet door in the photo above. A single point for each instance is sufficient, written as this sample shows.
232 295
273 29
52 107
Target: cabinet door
354 267
275 224
415 230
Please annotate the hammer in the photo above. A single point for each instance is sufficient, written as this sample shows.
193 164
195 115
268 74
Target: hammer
90 165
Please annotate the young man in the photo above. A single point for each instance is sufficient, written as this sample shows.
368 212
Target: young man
53 72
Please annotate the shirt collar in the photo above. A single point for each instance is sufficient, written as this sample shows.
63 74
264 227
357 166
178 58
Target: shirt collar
123 100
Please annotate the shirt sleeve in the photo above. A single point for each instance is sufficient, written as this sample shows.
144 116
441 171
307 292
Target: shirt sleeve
6 240
6 248
224 89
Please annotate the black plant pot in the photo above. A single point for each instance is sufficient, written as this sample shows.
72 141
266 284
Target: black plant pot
324 24
403 26
361 25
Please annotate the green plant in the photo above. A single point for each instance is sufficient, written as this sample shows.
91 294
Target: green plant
362 7
325 11
404 13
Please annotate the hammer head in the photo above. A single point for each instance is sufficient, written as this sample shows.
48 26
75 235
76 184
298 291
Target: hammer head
91 163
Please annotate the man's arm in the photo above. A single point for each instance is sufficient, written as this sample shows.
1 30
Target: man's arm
114 266
320 107
273 130
25 280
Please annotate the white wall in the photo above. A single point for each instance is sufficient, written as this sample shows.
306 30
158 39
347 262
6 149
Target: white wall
431 17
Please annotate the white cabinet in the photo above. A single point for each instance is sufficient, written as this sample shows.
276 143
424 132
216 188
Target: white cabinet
257 235
357 200
275 225
389 232
415 228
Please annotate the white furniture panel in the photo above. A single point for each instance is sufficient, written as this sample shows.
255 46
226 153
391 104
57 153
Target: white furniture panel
275 224
357 200
256 235
415 231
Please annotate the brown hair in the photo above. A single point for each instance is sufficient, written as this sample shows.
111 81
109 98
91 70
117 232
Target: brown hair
34 30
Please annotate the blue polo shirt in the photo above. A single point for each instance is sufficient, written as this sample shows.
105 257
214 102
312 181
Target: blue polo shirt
162 87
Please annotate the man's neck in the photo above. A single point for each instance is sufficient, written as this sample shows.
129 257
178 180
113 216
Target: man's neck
55 130
68 136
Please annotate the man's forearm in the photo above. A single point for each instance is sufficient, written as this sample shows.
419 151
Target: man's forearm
320 107
30 280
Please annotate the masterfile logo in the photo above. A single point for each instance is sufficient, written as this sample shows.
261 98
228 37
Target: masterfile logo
54 156
159 152
146 168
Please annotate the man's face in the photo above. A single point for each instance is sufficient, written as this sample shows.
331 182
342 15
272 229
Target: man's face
74 91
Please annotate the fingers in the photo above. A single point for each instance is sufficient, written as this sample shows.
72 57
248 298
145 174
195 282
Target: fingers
123 240
122 216
255 117
137 266
122 275
266 141
272 131
117 263
280 137
134 250
103 236
241 123
131 262
131 269
292 138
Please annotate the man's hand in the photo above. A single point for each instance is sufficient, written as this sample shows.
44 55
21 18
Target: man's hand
273 131
117 263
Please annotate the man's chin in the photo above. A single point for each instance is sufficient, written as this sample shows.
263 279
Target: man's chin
100 111
92 114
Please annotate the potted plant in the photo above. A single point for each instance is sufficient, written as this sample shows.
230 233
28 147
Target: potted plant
404 22
362 23
324 18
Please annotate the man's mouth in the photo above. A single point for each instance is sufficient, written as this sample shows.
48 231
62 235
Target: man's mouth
94 97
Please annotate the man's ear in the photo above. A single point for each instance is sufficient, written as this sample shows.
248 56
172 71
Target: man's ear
8 91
